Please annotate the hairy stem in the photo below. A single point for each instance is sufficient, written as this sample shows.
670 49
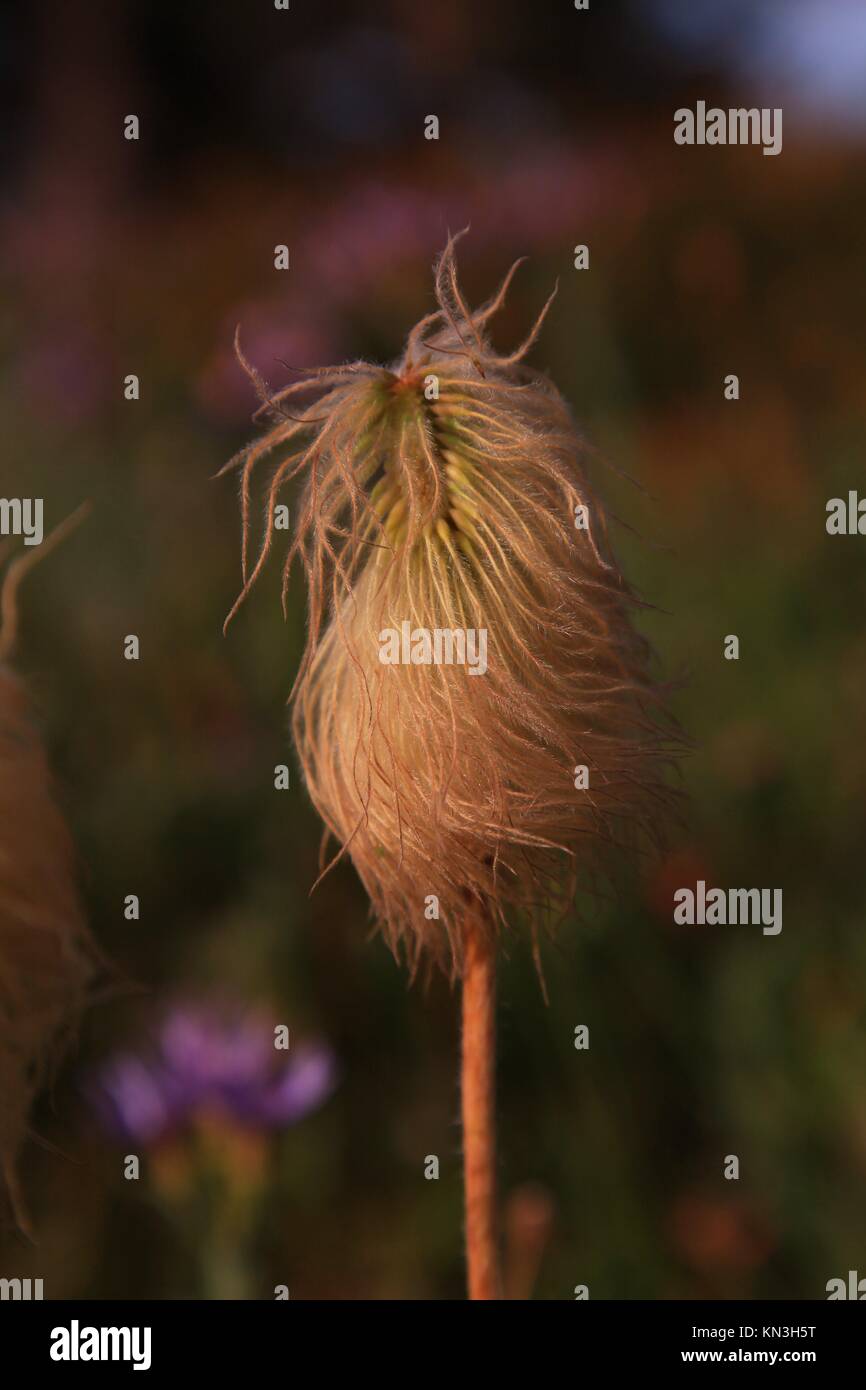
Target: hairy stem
478 1106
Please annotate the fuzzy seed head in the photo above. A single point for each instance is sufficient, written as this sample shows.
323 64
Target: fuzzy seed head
47 958
46 961
451 509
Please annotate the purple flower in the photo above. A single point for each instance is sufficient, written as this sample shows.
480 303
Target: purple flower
206 1060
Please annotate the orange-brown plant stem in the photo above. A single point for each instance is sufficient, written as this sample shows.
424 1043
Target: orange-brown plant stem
478 1106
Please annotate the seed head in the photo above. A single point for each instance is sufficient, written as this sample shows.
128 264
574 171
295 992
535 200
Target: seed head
447 494
47 959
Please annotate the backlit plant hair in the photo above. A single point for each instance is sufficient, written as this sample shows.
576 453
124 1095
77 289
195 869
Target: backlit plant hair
46 956
443 492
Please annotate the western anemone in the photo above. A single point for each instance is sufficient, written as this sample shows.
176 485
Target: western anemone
46 957
448 494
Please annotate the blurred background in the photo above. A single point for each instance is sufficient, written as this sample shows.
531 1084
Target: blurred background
306 127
